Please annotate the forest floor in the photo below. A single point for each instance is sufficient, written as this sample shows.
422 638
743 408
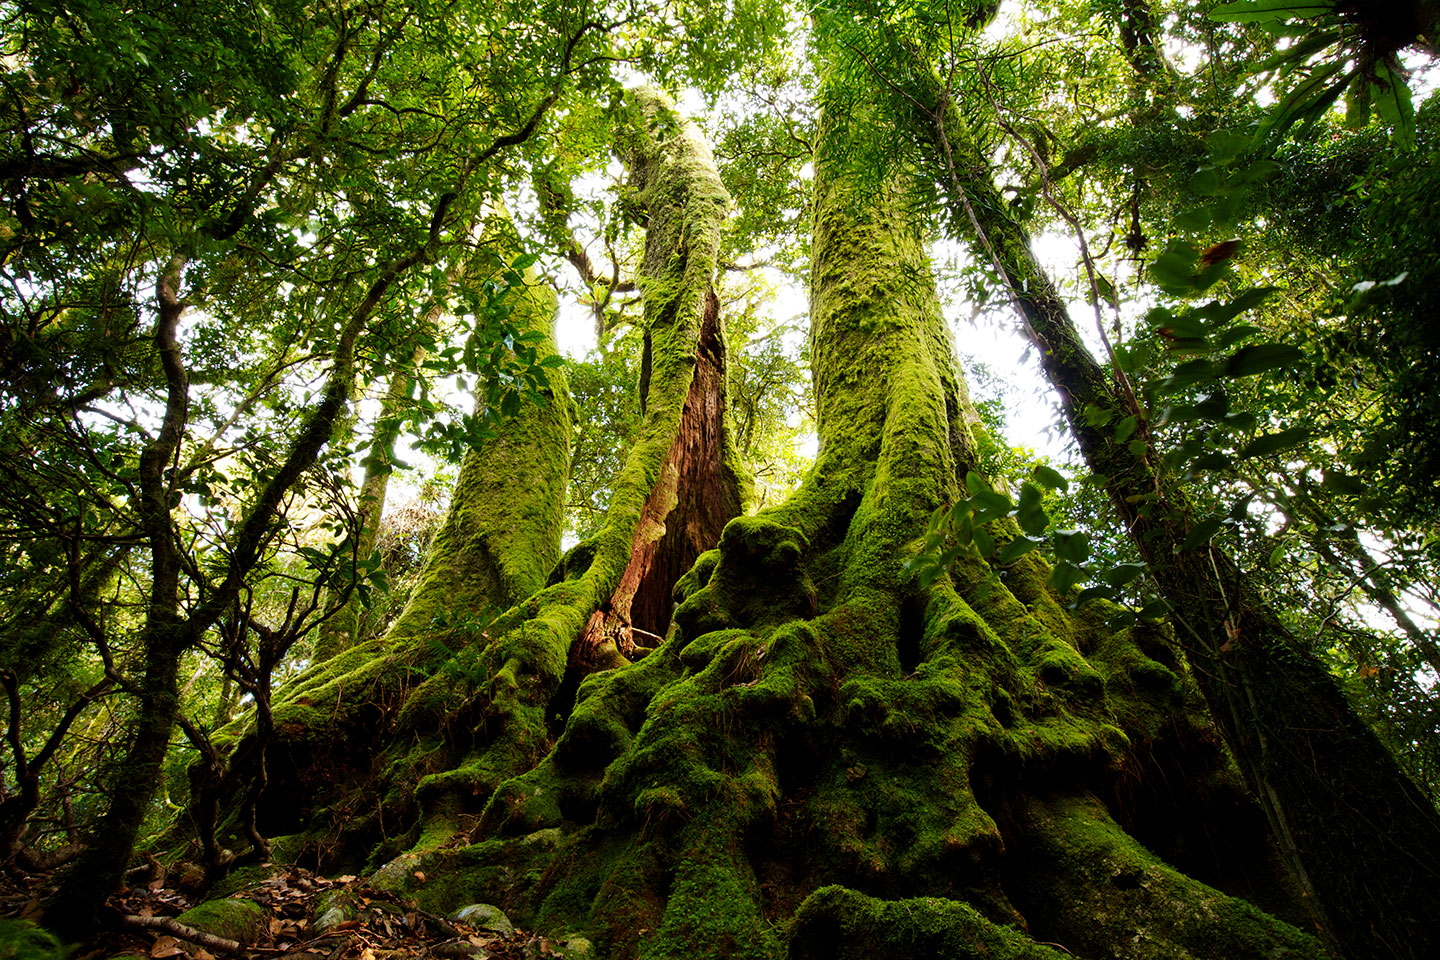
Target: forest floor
296 920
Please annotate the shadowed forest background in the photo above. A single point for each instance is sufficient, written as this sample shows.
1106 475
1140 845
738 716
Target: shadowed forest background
335 601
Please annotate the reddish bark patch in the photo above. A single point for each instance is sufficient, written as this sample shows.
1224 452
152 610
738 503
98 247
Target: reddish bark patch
695 497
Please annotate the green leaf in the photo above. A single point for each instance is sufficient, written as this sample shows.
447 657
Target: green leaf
1206 182
1106 290
1235 334
1307 102
1202 532
1154 610
991 506
1256 11
1072 546
1188 373
1094 593
1225 145
1213 407
1196 219
1228 310
1393 103
1357 106
918 564
1018 547
983 541
1228 209
1174 272
1064 576
975 483
1122 574
1255 172
1030 514
1211 461
1184 326
1274 442
1308 40
1337 482
1125 428
1260 357
1049 477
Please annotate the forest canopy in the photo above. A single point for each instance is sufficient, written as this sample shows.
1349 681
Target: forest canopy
755 630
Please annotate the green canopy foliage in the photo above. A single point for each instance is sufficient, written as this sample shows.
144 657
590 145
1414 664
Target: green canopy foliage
224 228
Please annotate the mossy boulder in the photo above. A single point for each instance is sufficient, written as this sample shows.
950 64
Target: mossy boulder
484 916
244 921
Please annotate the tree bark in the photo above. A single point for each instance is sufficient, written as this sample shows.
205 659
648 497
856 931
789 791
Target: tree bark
74 909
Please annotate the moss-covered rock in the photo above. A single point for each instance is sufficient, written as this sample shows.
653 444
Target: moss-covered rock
484 916
235 918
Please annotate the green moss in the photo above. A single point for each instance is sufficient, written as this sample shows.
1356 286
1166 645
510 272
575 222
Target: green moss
236 919
836 923
713 907
23 940
1092 886
1058 664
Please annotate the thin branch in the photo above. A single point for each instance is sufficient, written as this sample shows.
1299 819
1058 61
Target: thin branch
177 929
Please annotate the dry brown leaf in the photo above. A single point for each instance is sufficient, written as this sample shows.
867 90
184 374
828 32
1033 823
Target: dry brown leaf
166 947
1223 250
419 875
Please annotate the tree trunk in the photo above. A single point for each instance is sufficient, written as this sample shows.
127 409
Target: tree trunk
821 745
75 907
1361 840
500 657
342 630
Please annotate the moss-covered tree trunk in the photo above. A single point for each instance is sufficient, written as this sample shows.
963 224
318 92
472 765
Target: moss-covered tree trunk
471 680
1357 835
826 759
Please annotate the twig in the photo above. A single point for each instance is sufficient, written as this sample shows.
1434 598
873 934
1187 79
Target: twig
177 929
